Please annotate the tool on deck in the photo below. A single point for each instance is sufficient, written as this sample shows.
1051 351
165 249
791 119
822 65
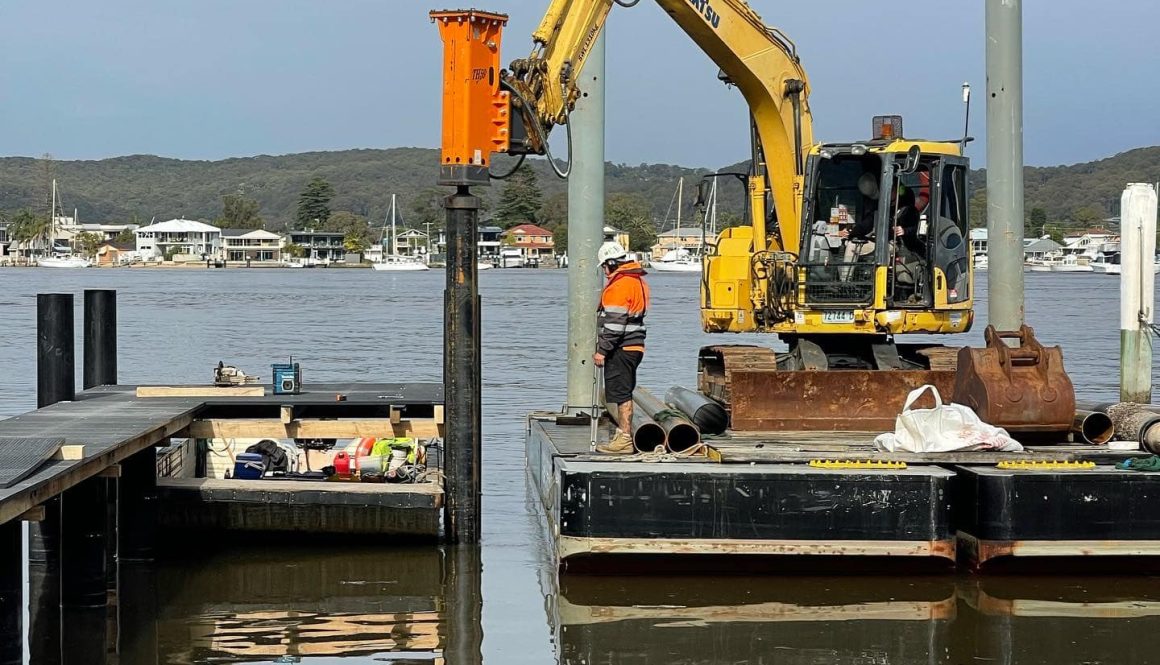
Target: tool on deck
287 378
594 417
227 375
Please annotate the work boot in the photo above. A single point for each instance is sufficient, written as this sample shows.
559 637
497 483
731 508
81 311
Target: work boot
621 444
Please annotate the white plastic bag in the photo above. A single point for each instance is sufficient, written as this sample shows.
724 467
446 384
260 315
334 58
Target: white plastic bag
943 429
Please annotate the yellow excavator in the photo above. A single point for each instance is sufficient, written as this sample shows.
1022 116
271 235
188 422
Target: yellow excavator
843 246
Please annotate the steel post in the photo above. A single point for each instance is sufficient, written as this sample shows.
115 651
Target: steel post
1137 291
1004 26
84 528
585 228
100 338
137 506
55 365
461 371
44 585
11 593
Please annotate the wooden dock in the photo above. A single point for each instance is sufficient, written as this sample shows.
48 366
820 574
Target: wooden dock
758 494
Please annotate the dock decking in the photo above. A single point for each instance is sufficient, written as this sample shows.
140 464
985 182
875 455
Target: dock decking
110 424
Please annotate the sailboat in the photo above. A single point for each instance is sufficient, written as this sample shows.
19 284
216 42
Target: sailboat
54 260
394 261
678 259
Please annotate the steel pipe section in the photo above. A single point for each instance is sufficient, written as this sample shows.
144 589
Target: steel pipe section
647 435
1094 427
680 434
707 416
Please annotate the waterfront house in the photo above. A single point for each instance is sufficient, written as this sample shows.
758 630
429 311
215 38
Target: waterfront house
5 240
113 253
686 238
490 238
411 242
533 242
1040 248
614 235
252 245
488 241
323 246
179 237
978 241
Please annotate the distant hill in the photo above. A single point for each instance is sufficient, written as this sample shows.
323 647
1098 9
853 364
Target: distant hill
140 187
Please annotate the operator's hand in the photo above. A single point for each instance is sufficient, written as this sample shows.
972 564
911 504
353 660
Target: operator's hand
898 232
598 358
843 233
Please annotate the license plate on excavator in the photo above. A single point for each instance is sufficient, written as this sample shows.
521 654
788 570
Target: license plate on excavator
837 316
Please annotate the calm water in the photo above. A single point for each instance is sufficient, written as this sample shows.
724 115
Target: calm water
384 605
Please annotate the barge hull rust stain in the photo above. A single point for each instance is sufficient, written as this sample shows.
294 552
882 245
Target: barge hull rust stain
574 546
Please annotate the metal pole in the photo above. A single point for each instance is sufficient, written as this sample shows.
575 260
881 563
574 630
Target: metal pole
585 227
100 338
461 370
55 366
1137 289
11 593
1004 19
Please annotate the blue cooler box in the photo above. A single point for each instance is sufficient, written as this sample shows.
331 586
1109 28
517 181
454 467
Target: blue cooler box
249 466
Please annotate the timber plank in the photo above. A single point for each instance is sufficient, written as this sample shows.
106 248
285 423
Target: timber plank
201 391
233 428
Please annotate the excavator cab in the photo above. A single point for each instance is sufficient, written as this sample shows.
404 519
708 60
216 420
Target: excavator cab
884 241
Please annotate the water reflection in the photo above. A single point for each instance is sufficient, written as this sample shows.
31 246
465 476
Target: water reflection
884 621
288 605
752 621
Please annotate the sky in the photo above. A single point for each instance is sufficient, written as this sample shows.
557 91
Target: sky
208 79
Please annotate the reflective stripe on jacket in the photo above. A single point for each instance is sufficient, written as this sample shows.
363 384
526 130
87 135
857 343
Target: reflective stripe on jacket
622 308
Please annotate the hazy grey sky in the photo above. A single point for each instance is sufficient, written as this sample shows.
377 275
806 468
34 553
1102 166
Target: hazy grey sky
206 79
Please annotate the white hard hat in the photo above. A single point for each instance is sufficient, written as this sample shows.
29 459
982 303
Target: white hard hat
610 251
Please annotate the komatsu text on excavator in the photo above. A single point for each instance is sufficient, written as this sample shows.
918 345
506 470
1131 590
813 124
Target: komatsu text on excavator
844 246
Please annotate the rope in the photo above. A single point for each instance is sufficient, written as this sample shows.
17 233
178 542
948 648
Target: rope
660 454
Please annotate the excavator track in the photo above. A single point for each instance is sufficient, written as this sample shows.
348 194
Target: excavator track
759 396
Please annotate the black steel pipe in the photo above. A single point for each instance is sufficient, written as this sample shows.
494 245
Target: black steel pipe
647 436
461 370
1094 427
84 528
55 356
680 434
137 506
100 338
707 415
11 594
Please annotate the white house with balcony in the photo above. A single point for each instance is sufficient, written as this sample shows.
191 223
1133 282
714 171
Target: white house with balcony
179 237
257 245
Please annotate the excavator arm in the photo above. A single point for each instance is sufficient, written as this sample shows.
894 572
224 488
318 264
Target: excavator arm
760 60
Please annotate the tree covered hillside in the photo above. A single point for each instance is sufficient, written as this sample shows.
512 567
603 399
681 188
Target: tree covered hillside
139 188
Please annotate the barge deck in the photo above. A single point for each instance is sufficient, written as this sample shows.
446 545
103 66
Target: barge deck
832 494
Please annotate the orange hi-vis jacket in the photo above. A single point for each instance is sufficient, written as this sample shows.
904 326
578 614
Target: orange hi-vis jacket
622 308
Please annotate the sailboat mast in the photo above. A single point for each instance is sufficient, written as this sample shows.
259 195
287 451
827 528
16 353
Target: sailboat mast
394 238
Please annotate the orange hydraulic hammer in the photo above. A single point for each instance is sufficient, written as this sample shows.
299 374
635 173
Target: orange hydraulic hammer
476 113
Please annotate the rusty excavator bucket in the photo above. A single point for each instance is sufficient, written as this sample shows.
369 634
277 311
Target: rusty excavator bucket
1023 389
759 396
